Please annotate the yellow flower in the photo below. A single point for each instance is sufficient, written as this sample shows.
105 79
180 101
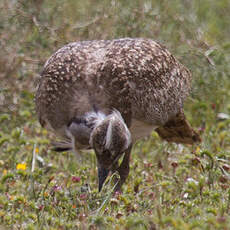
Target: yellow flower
36 150
4 172
46 194
197 149
21 166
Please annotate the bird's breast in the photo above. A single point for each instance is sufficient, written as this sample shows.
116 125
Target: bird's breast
140 129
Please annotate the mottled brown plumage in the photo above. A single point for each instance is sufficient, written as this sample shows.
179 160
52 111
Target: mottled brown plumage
138 78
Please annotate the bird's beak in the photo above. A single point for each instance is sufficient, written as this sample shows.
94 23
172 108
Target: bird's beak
102 175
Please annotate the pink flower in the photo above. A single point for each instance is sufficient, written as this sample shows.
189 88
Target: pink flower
83 196
76 179
56 188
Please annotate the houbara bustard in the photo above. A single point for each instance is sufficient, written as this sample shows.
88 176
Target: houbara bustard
105 95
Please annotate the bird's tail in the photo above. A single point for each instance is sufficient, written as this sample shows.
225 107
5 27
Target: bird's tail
61 146
178 130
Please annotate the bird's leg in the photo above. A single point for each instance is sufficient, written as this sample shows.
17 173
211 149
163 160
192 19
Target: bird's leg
123 170
114 167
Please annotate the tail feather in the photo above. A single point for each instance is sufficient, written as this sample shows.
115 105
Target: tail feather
178 130
61 146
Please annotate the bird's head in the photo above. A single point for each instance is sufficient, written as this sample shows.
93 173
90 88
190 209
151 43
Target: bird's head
110 139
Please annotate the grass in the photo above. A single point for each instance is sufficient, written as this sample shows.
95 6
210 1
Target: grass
170 186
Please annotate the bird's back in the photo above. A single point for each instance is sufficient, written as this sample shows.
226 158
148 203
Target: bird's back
138 77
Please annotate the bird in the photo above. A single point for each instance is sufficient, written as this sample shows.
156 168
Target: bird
107 94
